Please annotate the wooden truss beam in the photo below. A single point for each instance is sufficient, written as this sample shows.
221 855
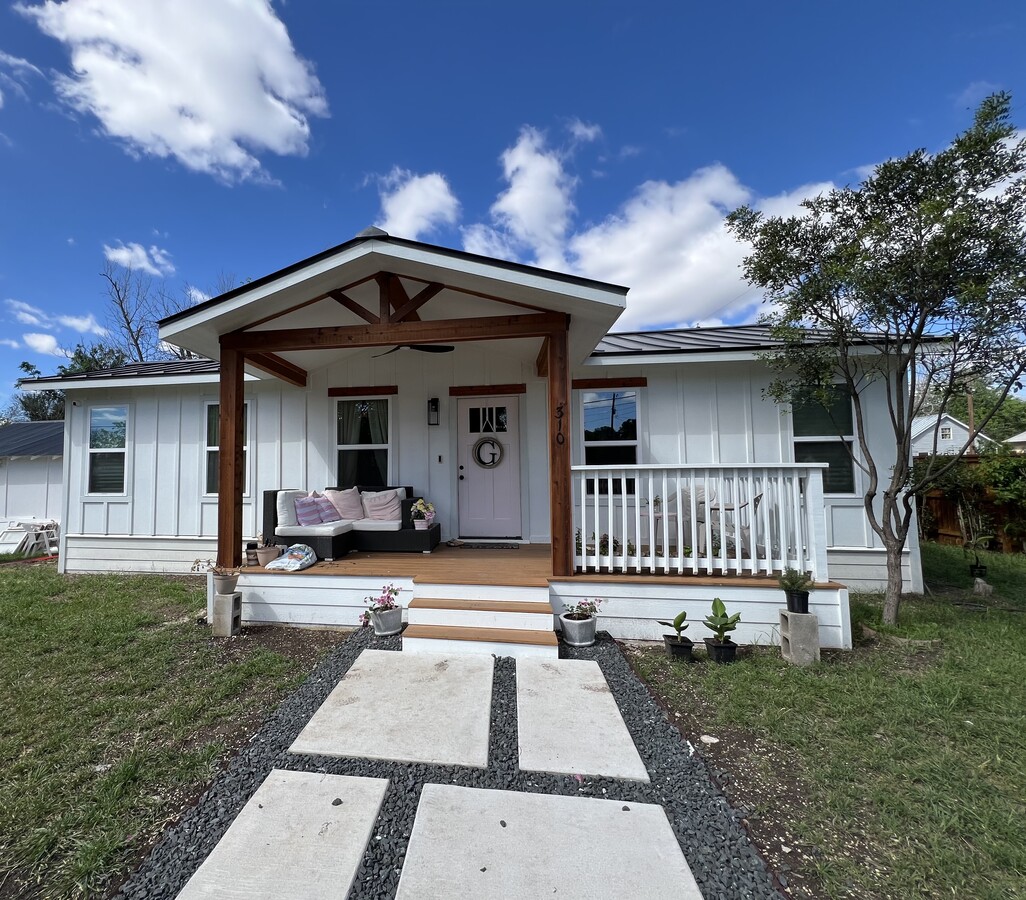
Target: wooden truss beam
408 311
383 335
280 368
354 307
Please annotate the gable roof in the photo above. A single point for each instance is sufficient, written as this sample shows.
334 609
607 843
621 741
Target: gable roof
32 439
174 371
922 424
1019 438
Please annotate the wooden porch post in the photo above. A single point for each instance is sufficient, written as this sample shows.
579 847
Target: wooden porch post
560 493
230 476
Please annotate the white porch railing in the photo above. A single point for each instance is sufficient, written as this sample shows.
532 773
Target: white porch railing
741 519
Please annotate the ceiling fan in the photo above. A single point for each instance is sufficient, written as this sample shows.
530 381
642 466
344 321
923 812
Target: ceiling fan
423 348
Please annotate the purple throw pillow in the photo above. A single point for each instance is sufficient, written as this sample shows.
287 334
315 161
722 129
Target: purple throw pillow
327 510
307 512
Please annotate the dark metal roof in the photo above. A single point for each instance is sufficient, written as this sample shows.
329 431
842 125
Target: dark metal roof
722 339
32 439
159 369
376 234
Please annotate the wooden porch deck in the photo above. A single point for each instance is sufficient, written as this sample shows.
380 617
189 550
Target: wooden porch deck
528 566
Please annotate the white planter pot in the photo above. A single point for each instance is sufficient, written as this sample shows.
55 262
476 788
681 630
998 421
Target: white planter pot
578 632
421 524
225 584
268 554
387 621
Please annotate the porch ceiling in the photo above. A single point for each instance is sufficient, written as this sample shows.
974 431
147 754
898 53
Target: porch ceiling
468 287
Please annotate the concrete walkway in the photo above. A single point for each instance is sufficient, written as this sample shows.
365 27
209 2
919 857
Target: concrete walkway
303 834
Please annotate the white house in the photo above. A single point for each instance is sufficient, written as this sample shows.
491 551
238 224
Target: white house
661 441
942 434
1017 442
31 470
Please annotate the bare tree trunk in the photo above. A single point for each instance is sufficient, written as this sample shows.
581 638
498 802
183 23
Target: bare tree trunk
892 596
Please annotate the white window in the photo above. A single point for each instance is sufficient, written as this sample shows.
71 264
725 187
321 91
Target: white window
213 455
363 442
945 433
108 439
610 421
824 432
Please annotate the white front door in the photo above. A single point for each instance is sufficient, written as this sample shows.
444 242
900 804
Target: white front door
489 467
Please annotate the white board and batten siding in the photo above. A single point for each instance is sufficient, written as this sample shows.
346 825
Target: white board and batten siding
31 487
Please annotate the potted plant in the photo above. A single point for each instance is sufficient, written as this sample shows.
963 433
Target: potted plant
974 545
720 647
266 552
423 513
795 586
678 646
226 578
384 612
579 622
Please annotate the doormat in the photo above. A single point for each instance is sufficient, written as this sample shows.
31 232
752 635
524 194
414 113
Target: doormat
489 546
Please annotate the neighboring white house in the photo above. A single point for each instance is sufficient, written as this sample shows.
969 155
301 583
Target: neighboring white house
942 434
1017 442
31 470
672 447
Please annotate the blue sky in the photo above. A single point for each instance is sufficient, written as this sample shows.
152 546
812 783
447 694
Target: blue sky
190 138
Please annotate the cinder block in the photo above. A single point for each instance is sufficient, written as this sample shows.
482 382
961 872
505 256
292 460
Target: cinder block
799 637
227 614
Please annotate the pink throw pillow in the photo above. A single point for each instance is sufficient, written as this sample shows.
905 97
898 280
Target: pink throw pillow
327 510
347 502
383 505
307 512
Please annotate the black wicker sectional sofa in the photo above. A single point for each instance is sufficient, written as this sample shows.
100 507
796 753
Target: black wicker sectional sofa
336 539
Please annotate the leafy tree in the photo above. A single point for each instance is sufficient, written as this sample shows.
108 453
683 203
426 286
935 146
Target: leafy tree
38 406
912 283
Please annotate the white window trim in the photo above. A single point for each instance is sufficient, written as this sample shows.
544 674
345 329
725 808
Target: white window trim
943 429
824 438
129 417
583 443
207 450
389 446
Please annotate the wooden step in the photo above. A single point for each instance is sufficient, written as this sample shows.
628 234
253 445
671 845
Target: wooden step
485 635
511 606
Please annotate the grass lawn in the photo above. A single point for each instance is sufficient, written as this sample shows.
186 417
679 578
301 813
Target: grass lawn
893 771
117 709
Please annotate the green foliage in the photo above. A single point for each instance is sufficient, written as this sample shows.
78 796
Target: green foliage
719 623
38 406
869 285
678 624
793 580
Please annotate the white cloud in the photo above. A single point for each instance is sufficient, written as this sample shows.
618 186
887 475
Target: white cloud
585 132
26 313
83 324
195 295
43 343
211 83
14 72
971 95
413 205
668 242
7 342
534 212
154 261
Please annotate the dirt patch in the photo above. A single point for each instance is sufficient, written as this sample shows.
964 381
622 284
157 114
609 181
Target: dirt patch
760 781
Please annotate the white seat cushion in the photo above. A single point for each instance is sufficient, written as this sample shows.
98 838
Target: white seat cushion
377 525
298 531
287 507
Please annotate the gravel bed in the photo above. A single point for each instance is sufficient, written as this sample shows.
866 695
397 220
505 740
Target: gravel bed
723 860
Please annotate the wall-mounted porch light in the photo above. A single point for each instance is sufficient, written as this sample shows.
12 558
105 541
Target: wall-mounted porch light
433 411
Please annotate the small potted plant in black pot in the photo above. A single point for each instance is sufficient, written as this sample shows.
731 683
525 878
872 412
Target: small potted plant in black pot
795 586
678 646
974 545
721 648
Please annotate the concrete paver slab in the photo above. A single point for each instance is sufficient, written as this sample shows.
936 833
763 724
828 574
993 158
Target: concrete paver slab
293 839
569 723
424 708
503 845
